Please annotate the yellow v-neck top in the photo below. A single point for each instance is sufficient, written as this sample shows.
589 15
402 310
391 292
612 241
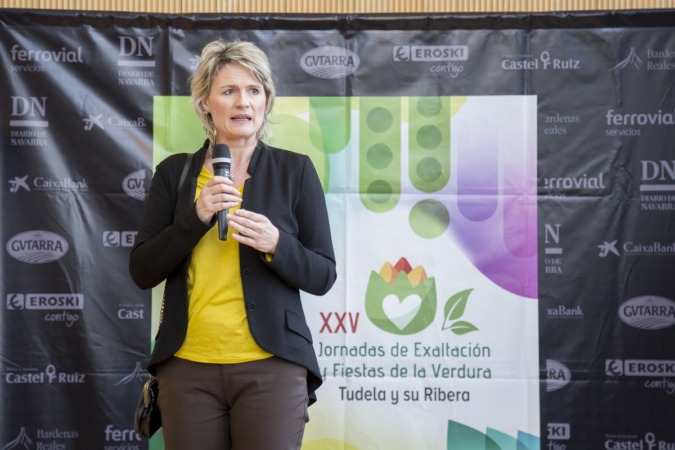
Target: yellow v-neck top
218 330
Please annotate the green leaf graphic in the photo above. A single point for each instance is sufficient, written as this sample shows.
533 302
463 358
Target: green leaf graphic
462 327
454 307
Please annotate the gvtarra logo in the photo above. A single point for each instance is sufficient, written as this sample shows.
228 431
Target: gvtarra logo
648 312
330 62
37 247
557 375
402 300
134 184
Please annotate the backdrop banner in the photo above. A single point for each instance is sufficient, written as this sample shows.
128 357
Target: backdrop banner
501 190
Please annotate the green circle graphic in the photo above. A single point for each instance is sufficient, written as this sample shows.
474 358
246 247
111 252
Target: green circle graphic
429 219
429 137
429 169
379 191
379 156
429 106
379 120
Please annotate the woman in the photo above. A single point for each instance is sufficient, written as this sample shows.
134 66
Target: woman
233 355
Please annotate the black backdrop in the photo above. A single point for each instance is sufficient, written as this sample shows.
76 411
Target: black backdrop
76 129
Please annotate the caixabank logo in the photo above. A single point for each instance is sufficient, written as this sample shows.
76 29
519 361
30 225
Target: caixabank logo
403 301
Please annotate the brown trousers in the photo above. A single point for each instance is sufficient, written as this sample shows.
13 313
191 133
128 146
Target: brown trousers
259 405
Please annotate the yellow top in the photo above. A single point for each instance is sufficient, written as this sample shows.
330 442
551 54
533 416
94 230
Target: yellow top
217 331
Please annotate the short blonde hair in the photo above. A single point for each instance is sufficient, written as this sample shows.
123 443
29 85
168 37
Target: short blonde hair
215 56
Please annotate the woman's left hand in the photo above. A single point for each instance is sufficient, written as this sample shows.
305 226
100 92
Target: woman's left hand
254 230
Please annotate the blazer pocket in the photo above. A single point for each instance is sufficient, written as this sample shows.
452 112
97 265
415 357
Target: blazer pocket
298 325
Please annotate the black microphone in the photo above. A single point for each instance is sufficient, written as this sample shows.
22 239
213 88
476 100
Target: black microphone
222 161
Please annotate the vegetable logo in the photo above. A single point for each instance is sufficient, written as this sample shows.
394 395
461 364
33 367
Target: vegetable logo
402 300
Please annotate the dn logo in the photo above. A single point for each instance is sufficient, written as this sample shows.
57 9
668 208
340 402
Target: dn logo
29 106
135 46
658 170
552 233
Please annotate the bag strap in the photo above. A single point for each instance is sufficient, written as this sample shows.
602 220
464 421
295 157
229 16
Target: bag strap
183 174
181 181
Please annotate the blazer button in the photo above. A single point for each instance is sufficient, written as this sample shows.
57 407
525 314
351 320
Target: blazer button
246 272
251 306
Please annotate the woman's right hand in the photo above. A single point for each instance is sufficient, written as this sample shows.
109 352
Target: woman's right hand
217 194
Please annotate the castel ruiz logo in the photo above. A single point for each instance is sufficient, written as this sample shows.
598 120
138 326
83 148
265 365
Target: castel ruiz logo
402 300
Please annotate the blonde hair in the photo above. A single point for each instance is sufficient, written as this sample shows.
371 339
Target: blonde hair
215 56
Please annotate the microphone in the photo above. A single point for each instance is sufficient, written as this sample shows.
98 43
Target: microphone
221 161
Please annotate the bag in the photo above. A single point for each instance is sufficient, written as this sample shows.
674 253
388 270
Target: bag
148 419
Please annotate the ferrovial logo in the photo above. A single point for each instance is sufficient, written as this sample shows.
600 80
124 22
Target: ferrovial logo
37 247
113 434
330 62
31 60
134 184
620 124
648 312
557 375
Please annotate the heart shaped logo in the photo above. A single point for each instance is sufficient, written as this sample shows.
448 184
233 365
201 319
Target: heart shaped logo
401 312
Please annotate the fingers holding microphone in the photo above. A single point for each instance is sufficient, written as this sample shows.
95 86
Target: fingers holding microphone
217 194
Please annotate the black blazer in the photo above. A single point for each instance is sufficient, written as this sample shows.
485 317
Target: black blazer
283 186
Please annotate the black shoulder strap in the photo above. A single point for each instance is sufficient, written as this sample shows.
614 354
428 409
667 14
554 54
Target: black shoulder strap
183 174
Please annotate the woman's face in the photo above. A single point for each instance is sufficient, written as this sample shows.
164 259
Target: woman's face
237 104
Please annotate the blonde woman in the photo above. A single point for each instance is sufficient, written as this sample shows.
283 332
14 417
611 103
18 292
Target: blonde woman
233 356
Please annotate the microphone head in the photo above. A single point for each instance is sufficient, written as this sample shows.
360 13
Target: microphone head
221 155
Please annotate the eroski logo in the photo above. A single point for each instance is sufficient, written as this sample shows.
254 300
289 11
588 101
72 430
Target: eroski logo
37 247
648 312
330 62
